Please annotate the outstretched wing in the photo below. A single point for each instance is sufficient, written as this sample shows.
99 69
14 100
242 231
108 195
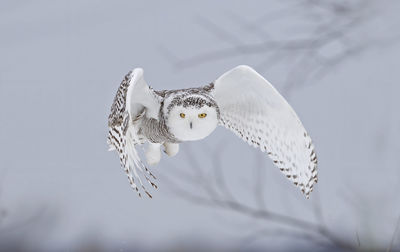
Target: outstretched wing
134 98
254 110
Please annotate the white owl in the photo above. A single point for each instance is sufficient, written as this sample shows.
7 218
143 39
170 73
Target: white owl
240 100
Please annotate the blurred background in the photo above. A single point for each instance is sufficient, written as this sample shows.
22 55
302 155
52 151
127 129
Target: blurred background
336 62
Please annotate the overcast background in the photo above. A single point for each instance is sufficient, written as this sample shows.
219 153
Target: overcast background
61 63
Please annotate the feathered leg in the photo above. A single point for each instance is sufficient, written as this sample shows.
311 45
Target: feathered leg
153 154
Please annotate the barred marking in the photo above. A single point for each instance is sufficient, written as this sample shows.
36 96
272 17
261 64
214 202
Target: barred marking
118 135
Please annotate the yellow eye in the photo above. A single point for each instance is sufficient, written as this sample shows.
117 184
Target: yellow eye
182 115
202 115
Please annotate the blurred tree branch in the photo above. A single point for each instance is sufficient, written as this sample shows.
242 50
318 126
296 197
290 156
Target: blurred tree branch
214 192
333 34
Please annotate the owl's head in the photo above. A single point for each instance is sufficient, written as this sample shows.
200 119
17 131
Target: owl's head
192 117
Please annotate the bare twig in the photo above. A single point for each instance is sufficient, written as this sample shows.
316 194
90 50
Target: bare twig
265 215
332 22
267 233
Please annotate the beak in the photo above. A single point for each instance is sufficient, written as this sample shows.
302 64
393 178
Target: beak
191 125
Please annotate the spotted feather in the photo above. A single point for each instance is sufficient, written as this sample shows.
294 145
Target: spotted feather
122 132
252 108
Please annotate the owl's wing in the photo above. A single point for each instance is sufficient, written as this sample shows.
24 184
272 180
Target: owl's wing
254 110
134 98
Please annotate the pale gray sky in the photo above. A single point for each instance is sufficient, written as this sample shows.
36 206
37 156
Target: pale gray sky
60 65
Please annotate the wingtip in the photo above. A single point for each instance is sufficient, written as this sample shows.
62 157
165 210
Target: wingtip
240 70
137 71
246 68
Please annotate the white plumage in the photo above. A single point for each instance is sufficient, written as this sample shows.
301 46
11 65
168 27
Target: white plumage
241 100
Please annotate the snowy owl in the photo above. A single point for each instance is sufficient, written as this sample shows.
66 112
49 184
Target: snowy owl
240 100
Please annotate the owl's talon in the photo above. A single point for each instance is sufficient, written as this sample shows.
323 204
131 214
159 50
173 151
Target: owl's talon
171 149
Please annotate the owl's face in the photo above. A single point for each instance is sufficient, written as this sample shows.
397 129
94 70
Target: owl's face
192 119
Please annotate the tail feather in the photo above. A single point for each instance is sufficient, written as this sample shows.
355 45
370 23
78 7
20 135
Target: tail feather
125 144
